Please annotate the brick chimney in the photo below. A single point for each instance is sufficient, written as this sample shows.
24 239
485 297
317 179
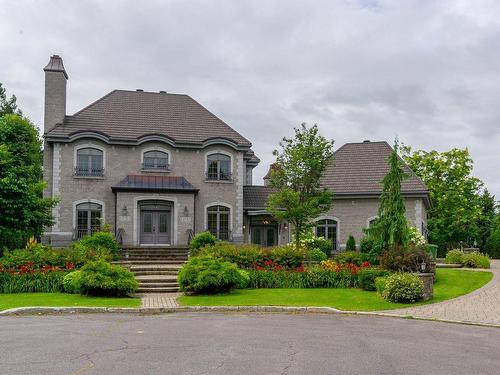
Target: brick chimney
55 93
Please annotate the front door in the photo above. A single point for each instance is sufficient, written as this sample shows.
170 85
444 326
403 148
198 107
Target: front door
155 227
265 235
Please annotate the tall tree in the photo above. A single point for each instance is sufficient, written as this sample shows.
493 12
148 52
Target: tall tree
454 192
300 163
391 227
24 212
486 220
8 106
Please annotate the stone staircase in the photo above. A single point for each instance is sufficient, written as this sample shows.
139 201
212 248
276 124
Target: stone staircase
155 268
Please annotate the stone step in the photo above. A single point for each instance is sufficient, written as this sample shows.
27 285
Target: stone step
151 262
158 290
140 252
156 273
158 285
154 267
173 249
148 259
156 278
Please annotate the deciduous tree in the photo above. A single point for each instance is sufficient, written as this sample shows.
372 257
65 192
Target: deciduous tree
300 163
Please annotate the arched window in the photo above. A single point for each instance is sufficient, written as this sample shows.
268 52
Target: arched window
89 162
218 167
218 221
157 160
327 228
88 219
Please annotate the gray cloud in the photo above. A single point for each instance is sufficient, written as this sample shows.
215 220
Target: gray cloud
425 71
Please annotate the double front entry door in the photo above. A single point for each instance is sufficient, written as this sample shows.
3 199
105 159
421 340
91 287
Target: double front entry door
156 227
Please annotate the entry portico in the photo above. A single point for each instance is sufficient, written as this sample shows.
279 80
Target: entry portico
155 210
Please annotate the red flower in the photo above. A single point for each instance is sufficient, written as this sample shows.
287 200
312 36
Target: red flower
365 264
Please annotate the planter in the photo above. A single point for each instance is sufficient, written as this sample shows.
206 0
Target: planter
428 280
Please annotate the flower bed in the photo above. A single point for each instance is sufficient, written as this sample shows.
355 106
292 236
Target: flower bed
30 277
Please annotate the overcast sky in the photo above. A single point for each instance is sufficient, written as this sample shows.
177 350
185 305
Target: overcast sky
425 71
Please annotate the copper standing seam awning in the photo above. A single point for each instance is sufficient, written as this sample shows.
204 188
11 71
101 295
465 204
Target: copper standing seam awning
155 184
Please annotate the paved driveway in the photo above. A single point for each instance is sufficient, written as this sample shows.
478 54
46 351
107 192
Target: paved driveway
480 306
216 343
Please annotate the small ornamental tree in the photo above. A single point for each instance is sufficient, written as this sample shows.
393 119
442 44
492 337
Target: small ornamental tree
391 227
299 166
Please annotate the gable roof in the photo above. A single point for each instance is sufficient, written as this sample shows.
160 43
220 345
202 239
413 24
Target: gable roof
134 115
359 168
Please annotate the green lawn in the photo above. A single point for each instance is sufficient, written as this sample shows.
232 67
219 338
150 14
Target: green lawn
8 301
449 284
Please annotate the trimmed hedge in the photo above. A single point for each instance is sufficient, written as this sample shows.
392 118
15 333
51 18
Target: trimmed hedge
472 260
100 241
367 277
248 256
313 277
403 288
316 255
347 257
101 278
454 256
201 240
209 275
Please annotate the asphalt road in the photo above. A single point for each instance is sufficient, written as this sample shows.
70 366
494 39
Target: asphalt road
215 343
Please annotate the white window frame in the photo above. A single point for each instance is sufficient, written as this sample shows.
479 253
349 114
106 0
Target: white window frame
370 219
329 217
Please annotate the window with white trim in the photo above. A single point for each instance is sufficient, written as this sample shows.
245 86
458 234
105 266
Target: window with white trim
327 228
88 219
155 160
218 221
89 162
218 167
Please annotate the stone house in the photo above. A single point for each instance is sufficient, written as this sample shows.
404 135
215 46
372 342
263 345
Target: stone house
158 167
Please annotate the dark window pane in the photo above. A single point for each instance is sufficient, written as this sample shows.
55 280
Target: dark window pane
147 224
163 223
256 236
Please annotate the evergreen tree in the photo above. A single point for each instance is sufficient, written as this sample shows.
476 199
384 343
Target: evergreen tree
8 106
391 227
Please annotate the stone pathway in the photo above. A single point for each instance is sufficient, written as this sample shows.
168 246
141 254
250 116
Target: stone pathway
480 306
159 300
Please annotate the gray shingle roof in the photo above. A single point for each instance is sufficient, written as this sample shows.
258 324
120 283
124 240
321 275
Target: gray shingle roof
157 183
255 197
130 115
359 168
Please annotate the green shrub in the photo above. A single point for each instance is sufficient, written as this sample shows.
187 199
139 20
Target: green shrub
72 282
367 277
101 240
492 246
476 260
321 243
454 256
403 288
349 257
380 284
245 256
404 260
201 240
208 275
36 282
350 244
316 255
313 277
287 256
432 250
101 278
366 245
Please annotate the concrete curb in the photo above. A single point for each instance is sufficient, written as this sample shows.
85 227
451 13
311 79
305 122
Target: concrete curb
224 309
